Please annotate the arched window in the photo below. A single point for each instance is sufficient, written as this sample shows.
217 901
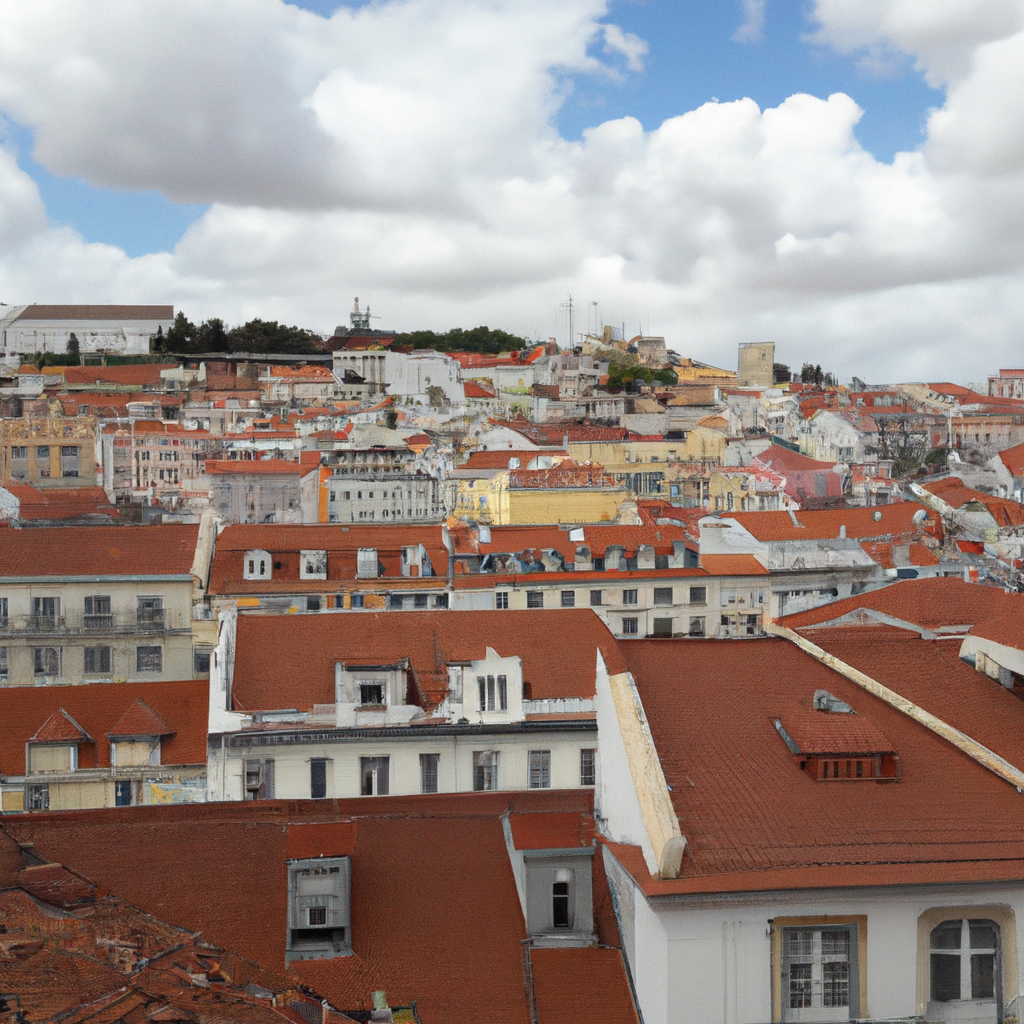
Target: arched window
965 963
257 565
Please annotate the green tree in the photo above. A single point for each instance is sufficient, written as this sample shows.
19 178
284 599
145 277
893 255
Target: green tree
482 339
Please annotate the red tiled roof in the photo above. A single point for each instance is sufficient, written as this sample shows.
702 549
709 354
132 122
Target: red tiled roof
287 661
86 312
473 389
220 869
784 459
1005 627
1013 459
500 459
99 551
141 374
96 709
550 830
582 986
827 732
755 820
952 491
930 674
882 553
60 726
732 565
931 603
255 467
342 544
882 522
140 720
61 503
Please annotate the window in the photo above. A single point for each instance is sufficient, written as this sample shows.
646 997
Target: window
312 604
588 767
568 598
19 453
698 595
419 600
259 778
201 661
37 796
3 664
45 611
43 459
662 627
356 601
150 612
485 770
97 613
428 772
629 597
501 600
963 958
318 778
598 564
371 693
257 565
123 793
149 659
535 599
318 908
47 661
561 908
595 598
630 626
396 601
373 771
540 769
312 565
3 611
818 972
493 692
69 460
97 661
662 597
440 600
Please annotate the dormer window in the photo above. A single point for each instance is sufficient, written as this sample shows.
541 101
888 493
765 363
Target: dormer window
561 899
834 744
366 563
371 692
319 901
493 693
258 565
312 565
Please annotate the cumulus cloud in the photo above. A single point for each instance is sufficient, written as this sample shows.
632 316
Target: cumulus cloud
405 151
752 29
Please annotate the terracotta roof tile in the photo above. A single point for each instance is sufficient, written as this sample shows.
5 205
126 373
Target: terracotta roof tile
219 869
140 720
287 661
932 603
751 815
86 312
99 551
732 565
60 726
96 709
582 986
951 490
881 522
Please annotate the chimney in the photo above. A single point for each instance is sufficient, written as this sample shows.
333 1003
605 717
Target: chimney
842 532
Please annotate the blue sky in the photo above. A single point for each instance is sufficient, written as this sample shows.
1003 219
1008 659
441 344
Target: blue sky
692 59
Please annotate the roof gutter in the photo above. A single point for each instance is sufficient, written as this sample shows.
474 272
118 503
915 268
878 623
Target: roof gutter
972 748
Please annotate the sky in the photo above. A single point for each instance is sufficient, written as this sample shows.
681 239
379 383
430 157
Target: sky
841 177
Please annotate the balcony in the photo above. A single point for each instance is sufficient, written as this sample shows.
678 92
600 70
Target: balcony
156 621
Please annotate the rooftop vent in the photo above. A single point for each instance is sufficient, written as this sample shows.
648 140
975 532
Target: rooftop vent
825 701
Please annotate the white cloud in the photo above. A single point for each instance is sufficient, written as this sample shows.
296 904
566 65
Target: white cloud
752 29
405 152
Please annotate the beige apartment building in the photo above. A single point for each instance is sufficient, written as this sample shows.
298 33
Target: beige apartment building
93 603
48 452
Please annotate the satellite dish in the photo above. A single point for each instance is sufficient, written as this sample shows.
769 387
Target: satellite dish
920 516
